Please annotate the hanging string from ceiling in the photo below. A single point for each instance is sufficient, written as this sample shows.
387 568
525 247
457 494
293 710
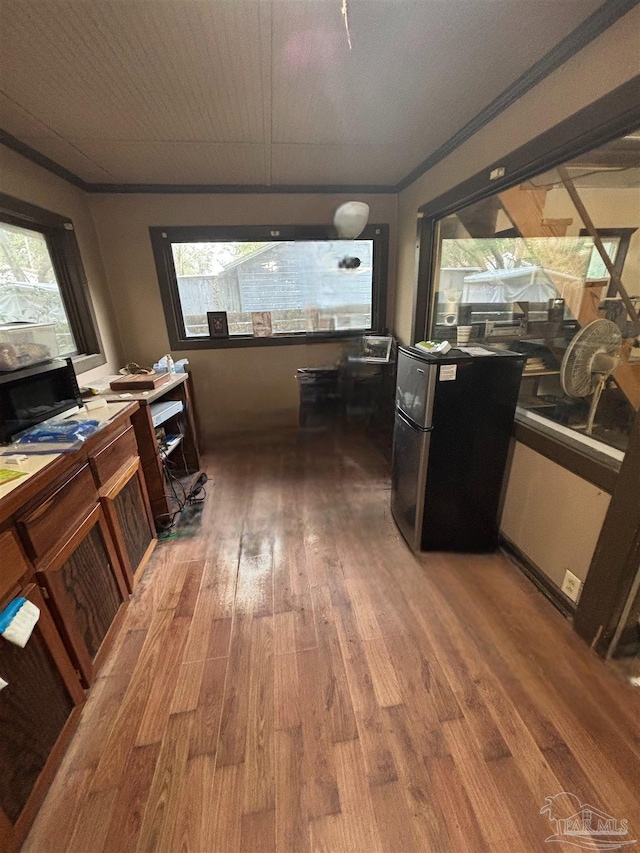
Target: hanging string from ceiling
345 15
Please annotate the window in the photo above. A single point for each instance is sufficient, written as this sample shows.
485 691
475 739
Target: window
42 279
309 285
523 269
29 290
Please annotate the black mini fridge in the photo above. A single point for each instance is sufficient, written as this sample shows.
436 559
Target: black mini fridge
453 423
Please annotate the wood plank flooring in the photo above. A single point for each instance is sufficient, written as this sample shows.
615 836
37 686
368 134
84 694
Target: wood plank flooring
293 679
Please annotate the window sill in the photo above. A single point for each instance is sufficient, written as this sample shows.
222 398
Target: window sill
586 457
84 363
275 340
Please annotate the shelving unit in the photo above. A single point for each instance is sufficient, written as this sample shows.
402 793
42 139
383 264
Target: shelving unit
173 400
170 446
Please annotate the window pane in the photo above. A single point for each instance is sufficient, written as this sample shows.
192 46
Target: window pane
597 269
29 291
518 269
308 286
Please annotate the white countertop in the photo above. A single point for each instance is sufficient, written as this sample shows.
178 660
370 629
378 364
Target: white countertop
36 462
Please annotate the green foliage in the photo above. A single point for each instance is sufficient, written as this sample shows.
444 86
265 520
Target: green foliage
569 255
209 258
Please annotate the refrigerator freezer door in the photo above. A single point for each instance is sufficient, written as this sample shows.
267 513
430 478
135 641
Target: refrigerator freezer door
409 472
415 388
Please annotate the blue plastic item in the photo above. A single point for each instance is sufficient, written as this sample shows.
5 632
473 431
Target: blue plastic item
63 431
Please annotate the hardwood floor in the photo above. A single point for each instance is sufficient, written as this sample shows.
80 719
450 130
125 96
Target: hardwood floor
293 679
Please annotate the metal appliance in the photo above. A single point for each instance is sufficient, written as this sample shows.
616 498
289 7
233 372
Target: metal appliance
453 423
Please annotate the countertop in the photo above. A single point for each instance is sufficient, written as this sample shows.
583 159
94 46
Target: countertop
40 465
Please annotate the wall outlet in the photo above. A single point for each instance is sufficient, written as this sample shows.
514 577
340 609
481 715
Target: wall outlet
571 585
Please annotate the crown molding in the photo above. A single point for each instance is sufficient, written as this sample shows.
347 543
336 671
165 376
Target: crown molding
604 16
593 26
41 160
263 189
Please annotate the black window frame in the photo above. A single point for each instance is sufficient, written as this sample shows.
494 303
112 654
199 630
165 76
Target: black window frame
163 237
59 234
600 122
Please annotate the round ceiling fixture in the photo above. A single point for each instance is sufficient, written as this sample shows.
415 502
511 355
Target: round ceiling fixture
350 219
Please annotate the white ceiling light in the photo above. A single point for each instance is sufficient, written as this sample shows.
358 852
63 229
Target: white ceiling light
350 219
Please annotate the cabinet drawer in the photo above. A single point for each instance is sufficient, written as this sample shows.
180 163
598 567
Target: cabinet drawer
53 520
111 458
12 562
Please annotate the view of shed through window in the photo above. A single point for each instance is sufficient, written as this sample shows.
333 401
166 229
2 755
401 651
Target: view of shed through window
525 269
306 285
29 291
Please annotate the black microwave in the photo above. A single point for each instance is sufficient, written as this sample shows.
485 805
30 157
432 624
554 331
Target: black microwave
35 394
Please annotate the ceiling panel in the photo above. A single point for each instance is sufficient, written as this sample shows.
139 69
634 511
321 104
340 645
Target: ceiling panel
185 162
65 154
340 164
260 91
136 70
18 122
413 65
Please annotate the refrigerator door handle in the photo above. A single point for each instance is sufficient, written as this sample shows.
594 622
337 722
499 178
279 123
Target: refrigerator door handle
403 416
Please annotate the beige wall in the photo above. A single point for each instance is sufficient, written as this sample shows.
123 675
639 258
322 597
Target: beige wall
601 66
24 180
552 515
244 388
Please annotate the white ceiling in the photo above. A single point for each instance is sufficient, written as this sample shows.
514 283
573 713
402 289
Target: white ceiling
260 91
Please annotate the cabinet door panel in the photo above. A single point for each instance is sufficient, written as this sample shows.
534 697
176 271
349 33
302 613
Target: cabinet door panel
34 709
132 517
91 589
87 590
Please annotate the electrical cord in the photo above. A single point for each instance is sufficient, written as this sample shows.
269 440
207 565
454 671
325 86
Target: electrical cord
196 494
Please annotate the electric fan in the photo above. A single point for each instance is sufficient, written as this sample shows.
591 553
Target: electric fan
590 359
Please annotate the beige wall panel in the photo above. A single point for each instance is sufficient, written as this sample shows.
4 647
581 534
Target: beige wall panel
235 388
601 66
552 515
24 180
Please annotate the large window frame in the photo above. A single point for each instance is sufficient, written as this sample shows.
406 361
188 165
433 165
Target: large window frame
606 119
62 244
163 237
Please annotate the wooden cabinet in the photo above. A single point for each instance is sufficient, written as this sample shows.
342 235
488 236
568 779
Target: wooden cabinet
109 459
38 712
55 516
178 389
81 527
126 507
86 591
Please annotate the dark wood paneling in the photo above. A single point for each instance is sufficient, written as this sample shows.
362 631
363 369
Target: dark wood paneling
133 521
33 711
90 587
